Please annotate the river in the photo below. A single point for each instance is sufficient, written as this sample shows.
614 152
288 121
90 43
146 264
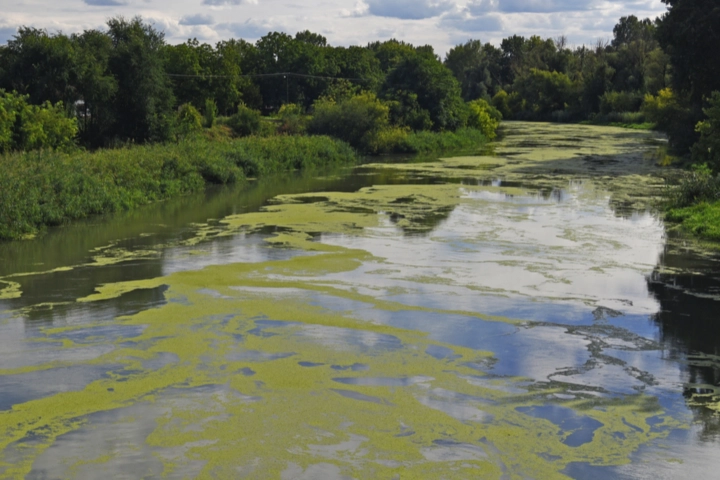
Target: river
522 314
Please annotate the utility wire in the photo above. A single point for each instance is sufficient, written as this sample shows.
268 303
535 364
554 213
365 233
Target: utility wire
260 75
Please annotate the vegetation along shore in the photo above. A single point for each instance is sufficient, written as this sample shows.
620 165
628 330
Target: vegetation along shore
108 120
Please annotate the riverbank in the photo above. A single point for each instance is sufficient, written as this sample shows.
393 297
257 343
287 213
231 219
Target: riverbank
48 188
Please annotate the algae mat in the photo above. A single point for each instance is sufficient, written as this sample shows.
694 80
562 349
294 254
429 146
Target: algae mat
450 330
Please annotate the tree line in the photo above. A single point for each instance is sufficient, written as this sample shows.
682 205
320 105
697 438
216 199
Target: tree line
126 84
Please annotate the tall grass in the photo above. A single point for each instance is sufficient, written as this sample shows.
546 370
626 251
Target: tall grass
694 203
467 139
48 188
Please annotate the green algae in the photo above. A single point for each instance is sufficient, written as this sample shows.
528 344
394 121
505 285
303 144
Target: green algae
451 421
616 160
231 430
9 290
443 411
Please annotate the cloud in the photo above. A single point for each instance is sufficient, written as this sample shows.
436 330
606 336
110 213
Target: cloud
248 29
472 23
197 19
409 9
220 3
104 3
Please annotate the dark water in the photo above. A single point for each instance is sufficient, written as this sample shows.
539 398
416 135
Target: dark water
595 321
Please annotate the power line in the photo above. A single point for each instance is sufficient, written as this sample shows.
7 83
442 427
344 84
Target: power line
260 75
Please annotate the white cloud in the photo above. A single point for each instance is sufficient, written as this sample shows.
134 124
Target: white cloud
104 3
197 19
247 30
409 9
439 23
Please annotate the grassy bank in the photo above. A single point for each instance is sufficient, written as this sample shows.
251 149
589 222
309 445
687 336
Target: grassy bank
694 203
464 139
701 220
46 188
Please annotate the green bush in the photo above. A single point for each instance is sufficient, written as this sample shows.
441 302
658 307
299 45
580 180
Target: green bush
502 103
292 120
707 148
210 113
484 117
671 113
356 120
620 102
696 186
188 122
463 139
245 122
390 140
50 187
32 127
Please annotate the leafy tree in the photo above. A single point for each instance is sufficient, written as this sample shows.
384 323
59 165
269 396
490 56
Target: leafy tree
672 113
40 65
24 126
144 100
245 122
484 117
357 120
501 103
690 34
707 149
545 92
470 67
437 90
188 121
96 87
209 113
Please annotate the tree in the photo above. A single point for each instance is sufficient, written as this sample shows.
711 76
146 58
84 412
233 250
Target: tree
470 67
435 88
144 100
357 120
707 149
545 92
96 87
690 33
40 65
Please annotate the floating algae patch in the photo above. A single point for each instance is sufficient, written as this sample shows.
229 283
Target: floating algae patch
277 369
413 410
350 213
617 160
9 290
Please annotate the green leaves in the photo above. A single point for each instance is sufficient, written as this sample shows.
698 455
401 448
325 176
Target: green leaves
34 127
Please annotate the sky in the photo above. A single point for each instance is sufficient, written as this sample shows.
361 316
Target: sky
440 23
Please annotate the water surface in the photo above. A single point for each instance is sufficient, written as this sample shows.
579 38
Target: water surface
520 315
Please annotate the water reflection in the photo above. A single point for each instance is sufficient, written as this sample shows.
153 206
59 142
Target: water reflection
569 288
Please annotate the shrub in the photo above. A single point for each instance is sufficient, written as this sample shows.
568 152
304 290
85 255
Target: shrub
672 115
696 186
463 139
707 148
484 117
292 121
210 113
501 102
620 102
356 120
50 187
188 122
389 140
245 122
33 127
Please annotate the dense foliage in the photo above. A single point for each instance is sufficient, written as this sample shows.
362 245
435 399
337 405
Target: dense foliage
50 187
30 127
